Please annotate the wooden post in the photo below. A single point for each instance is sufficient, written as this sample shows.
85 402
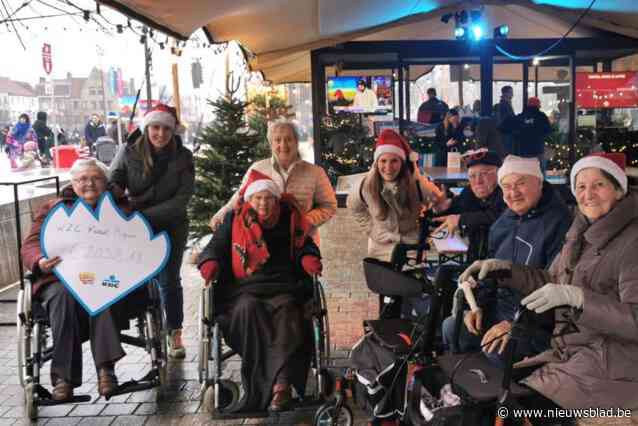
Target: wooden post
176 99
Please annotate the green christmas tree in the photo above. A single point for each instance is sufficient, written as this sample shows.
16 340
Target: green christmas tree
227 147
263 111
348 149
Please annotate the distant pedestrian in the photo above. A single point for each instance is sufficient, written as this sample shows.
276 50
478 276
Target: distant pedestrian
433 110
44 135
93 130
22 132
502 111
528 131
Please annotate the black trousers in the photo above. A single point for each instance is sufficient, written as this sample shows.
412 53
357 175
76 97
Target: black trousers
70 326
269 335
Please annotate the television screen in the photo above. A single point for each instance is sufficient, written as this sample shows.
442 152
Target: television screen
360 94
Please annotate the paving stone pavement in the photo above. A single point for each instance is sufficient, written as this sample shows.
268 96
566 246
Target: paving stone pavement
179 405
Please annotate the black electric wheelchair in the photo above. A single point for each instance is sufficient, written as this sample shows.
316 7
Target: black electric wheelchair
220 396
35 347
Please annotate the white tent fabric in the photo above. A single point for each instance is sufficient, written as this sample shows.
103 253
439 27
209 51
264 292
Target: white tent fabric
281 33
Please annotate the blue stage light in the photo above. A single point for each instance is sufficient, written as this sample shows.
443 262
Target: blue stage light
459 32
502 31
477 32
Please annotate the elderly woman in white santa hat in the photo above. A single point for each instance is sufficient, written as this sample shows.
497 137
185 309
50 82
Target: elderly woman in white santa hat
261 255
158 174
592 285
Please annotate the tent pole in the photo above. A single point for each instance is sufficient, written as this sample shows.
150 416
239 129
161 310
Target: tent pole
487 77
318 73
525 83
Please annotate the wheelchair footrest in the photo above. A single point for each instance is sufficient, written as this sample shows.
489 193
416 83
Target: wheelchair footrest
220 415
45 398
147 382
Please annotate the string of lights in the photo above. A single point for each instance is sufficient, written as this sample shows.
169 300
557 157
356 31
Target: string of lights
107 25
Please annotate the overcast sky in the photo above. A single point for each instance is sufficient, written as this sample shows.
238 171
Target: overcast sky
76 43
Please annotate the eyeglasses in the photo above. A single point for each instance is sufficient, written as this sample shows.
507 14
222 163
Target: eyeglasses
483 175
94 180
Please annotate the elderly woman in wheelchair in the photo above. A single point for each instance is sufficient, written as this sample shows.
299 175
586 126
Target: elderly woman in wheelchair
261 257
70 323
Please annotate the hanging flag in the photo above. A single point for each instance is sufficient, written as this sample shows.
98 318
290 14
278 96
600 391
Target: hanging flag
47 58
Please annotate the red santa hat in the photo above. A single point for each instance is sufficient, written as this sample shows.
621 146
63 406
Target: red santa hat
257 182
164 115
390 142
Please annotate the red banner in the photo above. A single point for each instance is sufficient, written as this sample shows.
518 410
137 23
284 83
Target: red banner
596 90
47 61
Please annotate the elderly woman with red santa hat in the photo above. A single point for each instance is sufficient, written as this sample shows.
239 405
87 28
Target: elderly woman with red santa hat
158 174
261 255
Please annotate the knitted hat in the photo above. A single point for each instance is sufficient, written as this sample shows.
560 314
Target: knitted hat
164 115
257 182
520 165
601 161
390 142
481 156
534 102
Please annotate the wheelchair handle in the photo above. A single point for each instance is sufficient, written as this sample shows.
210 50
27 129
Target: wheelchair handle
469 295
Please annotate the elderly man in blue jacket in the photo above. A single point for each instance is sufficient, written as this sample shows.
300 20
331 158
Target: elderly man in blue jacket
529 232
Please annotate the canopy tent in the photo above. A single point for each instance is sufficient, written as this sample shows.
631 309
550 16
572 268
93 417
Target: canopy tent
279 34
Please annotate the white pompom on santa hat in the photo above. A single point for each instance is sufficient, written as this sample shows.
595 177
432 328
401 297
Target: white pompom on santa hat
258 182
164 115
390 142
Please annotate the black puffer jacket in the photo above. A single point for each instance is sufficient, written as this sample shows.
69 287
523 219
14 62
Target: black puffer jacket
163 195
476 217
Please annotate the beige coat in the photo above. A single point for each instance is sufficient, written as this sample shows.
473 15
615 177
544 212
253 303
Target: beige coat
597 366
401 225
307 182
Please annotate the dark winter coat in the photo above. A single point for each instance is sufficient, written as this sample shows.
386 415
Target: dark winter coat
502 111
528 130
280 264
444 134
596 365
31 250
476 217
43 132
162 196
92 132
432 111
533 239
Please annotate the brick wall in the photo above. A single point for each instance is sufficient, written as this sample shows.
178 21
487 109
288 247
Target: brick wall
343 247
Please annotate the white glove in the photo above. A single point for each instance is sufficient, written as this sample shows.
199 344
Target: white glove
456 300
484 267
551 295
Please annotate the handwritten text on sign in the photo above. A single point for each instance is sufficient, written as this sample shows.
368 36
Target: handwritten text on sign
105 254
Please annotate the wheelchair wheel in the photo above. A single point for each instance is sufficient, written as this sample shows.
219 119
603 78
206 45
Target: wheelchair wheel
326 415
228 396
327 381
30 408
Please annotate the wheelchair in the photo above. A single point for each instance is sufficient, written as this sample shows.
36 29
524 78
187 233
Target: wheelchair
35 349
220 396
